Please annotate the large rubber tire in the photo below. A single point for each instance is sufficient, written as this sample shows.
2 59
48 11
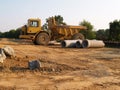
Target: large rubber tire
78 36
42 39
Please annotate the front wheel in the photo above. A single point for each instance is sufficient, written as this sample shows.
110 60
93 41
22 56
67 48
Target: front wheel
42 39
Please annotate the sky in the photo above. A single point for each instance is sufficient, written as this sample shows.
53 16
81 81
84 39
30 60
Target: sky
15 13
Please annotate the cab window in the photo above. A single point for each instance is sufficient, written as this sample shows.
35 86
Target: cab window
34 23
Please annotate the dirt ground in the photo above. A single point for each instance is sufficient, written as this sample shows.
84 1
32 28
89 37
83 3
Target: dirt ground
62 68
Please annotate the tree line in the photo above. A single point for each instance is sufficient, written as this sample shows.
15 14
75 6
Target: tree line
14 33
112 33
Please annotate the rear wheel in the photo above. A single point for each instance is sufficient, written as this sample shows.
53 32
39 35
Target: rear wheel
42 39
78 36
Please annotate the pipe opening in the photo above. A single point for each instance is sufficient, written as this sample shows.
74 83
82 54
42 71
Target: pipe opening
78 44
63 43
85 43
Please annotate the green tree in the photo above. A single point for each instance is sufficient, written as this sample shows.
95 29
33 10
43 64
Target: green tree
10 34
1 35
5 34
17 33
59 20
114 30
89 33
102 34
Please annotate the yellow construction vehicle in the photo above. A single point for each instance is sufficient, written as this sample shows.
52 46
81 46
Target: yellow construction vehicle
34 31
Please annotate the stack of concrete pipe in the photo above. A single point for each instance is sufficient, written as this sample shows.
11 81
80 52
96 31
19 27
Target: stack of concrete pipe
82 44
79 44
92 43
69 43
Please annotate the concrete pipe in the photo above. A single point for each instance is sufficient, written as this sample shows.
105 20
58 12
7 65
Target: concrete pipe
69 43
92 43
79 44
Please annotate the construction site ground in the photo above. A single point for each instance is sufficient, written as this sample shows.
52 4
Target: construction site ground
61 68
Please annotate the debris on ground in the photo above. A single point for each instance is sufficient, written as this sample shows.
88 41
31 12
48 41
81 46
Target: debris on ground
35 64
6 51
54 43
2 55
9 51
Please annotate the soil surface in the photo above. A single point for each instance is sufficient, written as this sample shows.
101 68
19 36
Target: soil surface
61 68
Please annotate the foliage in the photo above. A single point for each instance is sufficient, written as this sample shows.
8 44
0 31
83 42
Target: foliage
87 24
114 30
59 19
113 33
45 26
10 34
102 34
1 35
89 33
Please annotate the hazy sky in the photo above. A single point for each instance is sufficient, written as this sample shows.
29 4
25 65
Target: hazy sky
14 13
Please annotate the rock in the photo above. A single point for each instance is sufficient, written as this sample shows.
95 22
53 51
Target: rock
53 69
2 55
9 51
35 64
